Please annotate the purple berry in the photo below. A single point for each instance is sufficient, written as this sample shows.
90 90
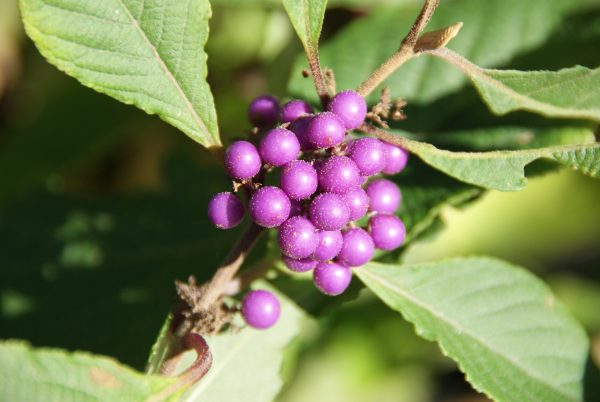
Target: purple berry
339 174
260 309
300 128
278 147
225 210
368 154
298 237
330 244
326 130
299 180
384 195
358 248
302 265
294 109
332 278
269 206
264 111
388 231
358 202
395 158
328 211
242 160
350 107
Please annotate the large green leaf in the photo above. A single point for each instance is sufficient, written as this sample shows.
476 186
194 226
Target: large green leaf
509 335
569 93
30 375
503 170
307 18
147 53
494 31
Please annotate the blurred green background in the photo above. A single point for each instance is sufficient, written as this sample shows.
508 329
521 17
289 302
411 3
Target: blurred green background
102 207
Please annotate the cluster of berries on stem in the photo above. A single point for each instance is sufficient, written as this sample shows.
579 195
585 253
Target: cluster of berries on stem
325 191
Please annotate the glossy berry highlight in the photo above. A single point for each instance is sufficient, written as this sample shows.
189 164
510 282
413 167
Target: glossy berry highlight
325 130
332 278
395 158
263 111
368 155
328 211
299 180
260 309
329 245
269 207
242 160
350 107
299 265
294 109
339 174
278 147
225 210
298 237
357 249
384 196
388 231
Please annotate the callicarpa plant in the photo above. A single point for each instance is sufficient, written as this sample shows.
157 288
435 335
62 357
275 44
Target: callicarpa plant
322 179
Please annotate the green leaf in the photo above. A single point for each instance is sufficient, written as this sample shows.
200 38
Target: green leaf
146 53
504 170
44 374
494 32
307 18
569 93
509 335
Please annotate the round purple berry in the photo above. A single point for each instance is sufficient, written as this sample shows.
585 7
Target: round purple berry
298 237
332 278
299 180
294 109
328 211
300 128
350 107
368 154
358 202
301 265
330 244
326 130
388 231
260 309
278 147
242 160
263 111
358 248
384 195
339 174
225 210
269 206
395 158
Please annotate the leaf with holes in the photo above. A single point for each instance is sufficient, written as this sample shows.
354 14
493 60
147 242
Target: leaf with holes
503 326
32 375
569 93
146 53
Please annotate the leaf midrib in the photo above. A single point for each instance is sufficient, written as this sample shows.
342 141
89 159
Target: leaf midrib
461 329
167 71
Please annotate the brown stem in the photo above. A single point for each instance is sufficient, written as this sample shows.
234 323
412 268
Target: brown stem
230 266
385 136
403 54
317 74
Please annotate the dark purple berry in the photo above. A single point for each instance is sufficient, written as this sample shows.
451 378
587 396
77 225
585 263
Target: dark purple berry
294 109
299 180
384 195
242 160
302 265
298 237
350 107
300 128
332 278
260 309
339 174
269 206
358 248
278 147
358 202
225 210
388 231
263 111
395 158
326 130
330 244
368 154
328 211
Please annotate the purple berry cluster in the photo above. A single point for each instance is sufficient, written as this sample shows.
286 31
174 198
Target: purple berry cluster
324 189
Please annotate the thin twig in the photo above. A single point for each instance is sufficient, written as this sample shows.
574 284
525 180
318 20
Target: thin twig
403 54
317 74
385 136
